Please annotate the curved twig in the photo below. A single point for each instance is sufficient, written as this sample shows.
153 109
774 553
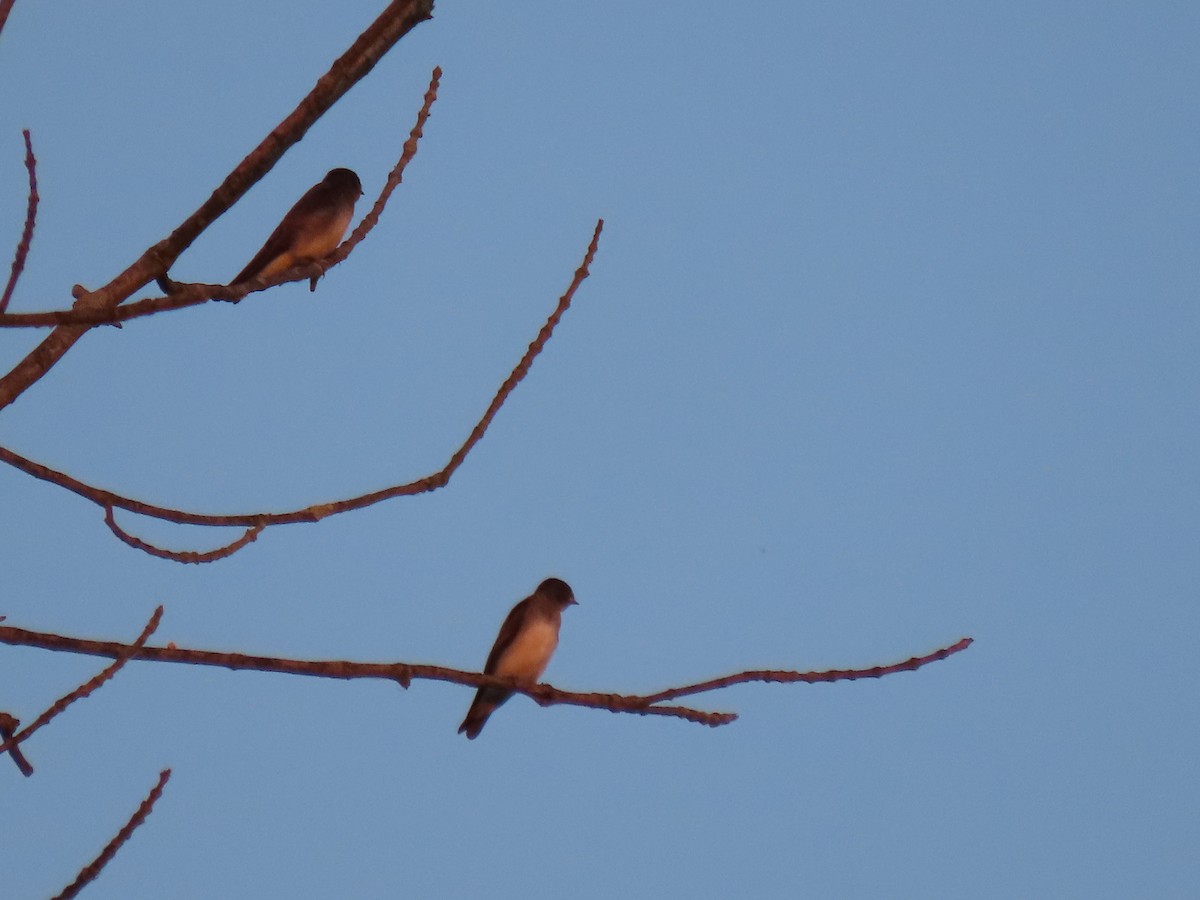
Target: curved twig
405 673
108 499
181 556
91 870
395 177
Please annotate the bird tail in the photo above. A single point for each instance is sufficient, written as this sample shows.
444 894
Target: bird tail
485 703
477 717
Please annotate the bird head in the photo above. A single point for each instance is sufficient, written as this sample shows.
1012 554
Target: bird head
559 591
344 178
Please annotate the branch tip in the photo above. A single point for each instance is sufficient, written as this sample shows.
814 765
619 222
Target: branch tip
22 251
91 870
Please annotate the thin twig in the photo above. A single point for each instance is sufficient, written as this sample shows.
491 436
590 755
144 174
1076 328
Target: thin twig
395 177
772 676
522 368
92 869
181 556
127 652
18 263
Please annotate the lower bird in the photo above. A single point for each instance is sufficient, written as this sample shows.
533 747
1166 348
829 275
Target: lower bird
311 230
522 650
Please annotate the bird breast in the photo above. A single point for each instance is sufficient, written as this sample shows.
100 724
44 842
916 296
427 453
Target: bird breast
322 234
530 651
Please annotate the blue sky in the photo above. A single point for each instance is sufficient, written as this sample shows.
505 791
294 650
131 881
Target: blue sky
891 339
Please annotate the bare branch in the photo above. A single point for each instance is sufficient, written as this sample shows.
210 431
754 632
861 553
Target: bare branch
91 870
5 8
18 263
398 19
108 500
127 652
405 673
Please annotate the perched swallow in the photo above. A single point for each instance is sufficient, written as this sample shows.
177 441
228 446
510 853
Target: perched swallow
311 230
522 649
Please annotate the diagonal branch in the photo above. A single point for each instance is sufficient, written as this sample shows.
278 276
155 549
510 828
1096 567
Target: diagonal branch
18 263
400 17
89 872
405 673
109 500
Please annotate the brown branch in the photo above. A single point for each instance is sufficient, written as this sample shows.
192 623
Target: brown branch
186 295
5 8
18 263
400 17
91 870
405 673
109 500
180 556
8 727
127 652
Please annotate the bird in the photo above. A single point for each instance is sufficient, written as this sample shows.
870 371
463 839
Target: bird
523 648
310 230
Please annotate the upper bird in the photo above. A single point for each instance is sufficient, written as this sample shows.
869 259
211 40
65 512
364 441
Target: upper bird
311 230
523 648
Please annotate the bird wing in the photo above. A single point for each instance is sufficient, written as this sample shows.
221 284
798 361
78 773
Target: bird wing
508 631
276 244
285 234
